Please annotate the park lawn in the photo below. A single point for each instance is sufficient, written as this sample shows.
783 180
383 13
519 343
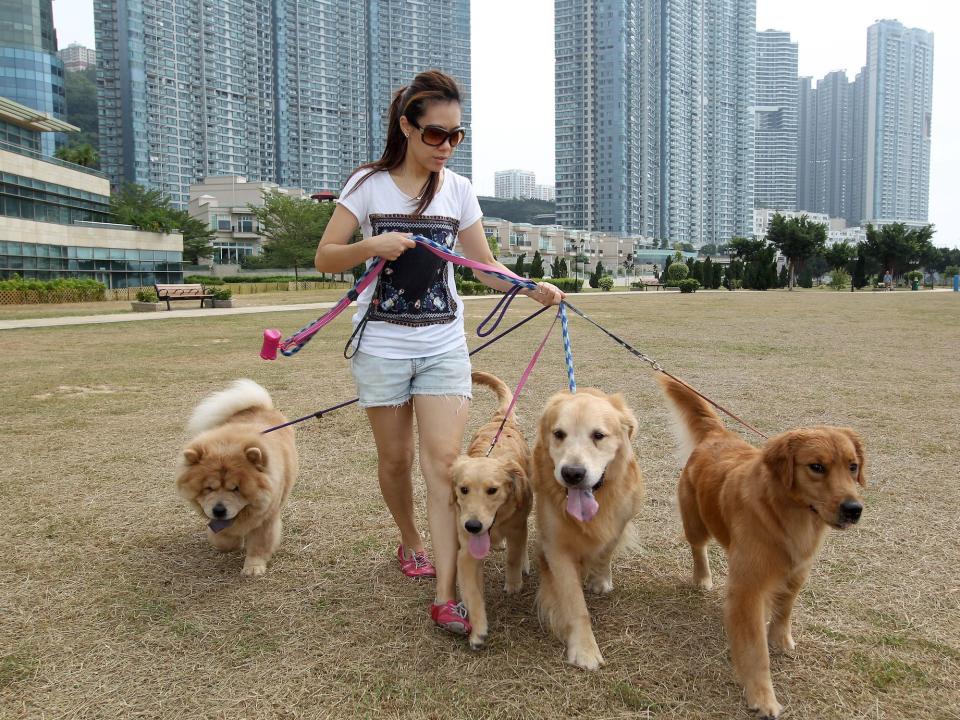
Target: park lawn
112 605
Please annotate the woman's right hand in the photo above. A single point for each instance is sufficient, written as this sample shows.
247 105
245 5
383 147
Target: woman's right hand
391 245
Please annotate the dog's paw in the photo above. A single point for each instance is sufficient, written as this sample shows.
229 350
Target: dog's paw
585 655
704 583
512 588
782 639
477 640
600 586
254 568
765 704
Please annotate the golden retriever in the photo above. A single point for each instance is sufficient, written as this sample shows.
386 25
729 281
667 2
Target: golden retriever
237 477
588 487
769 508
494 501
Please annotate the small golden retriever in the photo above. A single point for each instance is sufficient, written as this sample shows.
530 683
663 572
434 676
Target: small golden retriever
494 500
237 477
588 487
769 508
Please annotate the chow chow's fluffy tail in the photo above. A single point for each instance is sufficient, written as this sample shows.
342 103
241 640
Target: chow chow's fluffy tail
498 386
215 409
694 419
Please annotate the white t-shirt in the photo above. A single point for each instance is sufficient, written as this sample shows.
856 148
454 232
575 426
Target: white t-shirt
416 311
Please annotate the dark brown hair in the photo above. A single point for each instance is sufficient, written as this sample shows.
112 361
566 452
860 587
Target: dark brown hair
411 102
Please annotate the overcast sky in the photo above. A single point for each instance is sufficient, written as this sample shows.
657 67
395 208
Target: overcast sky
512 44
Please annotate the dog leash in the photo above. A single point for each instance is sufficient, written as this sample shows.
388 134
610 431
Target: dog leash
658 368
320 413
272 338
523 381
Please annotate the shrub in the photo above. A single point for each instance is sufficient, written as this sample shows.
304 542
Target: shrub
205 280
688 285
55 291
606 283
676 272
147 295
221 293
568 284
472 287
914 275
839 279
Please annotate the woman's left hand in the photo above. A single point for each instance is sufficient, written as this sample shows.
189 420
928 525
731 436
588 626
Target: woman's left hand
547 294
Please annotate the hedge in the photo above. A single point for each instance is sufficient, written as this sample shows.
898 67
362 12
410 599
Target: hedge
18 291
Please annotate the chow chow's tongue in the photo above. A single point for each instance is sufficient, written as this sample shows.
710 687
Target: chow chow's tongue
479 545
218 524
581 504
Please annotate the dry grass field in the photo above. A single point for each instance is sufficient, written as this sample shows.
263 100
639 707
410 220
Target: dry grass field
112 605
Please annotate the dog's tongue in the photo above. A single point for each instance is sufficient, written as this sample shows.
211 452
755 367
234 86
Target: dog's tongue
479 545
581 504
218 524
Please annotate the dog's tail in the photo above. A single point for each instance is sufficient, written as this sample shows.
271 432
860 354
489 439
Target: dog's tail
216 409
498 386
694 419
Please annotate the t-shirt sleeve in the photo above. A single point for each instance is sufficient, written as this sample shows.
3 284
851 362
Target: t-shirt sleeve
470 210
356 200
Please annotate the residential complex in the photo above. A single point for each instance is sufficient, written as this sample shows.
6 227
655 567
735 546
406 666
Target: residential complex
775 169
55 216
223 203
654 134
30 71
514 184
77 57
273 90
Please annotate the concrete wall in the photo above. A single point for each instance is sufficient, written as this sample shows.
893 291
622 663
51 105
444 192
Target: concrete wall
100 236
52 173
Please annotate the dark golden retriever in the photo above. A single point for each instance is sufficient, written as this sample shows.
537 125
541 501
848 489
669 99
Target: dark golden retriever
494 501
769 508
588 487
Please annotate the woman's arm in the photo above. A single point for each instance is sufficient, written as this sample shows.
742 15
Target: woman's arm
336 254
475 247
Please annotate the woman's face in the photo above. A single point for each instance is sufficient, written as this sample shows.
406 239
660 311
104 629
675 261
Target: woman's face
444 115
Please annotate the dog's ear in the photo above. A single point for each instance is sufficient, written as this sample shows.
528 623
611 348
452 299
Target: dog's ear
192 455
548 417
628 421
256 457
861 456
778 457
518 475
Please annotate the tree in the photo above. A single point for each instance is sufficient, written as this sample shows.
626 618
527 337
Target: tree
797 239
292 228
197 237
598 272
536 266
558 268
80 93
757 271
676 271
818 265
494 246
518 267
839 255
896 248
708 249
84 155
148 210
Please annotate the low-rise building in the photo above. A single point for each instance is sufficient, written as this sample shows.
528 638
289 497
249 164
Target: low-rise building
55 216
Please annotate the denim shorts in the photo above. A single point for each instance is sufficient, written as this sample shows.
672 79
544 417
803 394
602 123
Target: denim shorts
385 382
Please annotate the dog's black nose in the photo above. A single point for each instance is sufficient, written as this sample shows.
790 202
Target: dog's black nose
219 510
850 511
473 526
573 474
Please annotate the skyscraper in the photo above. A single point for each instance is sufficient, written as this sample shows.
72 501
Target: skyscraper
654 131
30 71
775 169
276 90
831 153
897 106
806 141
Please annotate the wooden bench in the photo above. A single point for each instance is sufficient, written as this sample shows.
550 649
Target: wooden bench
651 282
167 292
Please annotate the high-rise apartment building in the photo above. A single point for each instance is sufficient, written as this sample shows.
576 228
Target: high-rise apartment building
514 184
806 141
897 107
832 185
654 132
77 57
272 90
30 71
775 168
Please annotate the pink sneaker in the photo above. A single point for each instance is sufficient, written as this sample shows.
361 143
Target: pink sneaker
418 565
452 617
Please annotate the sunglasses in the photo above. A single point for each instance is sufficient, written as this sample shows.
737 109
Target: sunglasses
435 136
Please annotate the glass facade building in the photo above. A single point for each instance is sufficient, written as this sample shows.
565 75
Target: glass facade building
273 90
654 117
775 167
31 73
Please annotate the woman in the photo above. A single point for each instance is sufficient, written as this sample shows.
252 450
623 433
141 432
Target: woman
409 349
